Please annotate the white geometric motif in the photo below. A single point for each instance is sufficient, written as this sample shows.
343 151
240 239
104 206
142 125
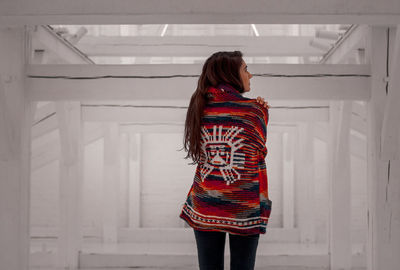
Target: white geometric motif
220 153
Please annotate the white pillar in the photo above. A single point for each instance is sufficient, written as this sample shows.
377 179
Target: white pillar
134 180
340 187
305 182
111 183
15 123
70 189
288 180
383 181
124 180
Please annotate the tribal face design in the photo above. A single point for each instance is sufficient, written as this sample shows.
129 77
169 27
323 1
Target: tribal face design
220 151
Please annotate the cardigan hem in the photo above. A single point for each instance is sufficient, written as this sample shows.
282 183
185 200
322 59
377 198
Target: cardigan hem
255 225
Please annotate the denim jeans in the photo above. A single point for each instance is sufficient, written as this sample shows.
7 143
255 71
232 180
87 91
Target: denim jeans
211 248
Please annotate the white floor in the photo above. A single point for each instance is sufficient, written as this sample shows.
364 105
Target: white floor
182 256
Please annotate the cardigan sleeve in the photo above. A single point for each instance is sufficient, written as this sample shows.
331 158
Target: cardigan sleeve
261 129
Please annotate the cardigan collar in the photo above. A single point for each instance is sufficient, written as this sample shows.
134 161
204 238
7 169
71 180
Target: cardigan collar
224 92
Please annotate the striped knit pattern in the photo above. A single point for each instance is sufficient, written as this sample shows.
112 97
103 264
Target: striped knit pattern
230 188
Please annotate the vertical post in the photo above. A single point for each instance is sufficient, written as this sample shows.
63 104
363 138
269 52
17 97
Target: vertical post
15 123
383 184
71 160
288 180
134 181
124 180
111 183
340 185
305 171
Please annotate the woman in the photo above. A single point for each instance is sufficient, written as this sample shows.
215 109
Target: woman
225 134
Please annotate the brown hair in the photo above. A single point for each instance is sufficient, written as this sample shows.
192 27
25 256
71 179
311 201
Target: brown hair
221 67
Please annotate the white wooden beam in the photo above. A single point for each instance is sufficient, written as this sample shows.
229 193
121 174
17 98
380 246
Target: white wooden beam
134 180
55 47
272 81
304 171
51 151
340 188
198 46
383 185
356 39
190 11
15 143
70 234
158 114
390 144
288 179
124 180
110 183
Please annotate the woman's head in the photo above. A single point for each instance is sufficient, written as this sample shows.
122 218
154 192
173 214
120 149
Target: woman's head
225 67
219 68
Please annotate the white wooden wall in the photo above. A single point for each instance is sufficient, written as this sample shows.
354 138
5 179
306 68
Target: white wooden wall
383 230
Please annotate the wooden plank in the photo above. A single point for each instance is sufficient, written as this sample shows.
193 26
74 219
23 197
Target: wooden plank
181 11
134 180
15 144
110 183
304 171
353 41
390 144
382 178
51 151
123 219
196 46
288 179
340 187
175 115
56 47
283 81
70 188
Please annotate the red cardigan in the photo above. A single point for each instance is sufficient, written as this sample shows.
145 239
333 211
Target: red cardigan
230 187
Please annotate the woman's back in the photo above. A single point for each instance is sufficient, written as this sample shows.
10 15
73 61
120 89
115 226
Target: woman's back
230 187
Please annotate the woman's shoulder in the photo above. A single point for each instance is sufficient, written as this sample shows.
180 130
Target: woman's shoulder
252 102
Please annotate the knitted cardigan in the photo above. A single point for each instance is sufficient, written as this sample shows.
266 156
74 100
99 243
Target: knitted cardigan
230 187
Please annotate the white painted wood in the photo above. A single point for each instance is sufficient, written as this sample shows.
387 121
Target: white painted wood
304 168
111 183
124 180
358 124
349 44
288 179
15 122
181 11
134 180
320 88
70 187
198 46
44 125
340 238
56 48
177 114
390 145
382 185
44 111
51 151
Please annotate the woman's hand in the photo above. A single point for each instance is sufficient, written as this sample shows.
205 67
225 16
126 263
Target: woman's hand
262 102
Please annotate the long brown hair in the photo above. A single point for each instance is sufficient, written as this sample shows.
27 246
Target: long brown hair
219 68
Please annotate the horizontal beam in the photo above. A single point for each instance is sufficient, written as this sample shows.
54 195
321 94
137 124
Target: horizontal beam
144 82
192 11
199 46
165 116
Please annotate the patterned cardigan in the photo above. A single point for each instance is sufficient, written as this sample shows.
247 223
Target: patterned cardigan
230 187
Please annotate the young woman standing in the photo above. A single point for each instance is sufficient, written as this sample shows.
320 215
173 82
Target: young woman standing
225 134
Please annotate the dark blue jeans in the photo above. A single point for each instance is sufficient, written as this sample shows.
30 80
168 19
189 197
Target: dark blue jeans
211 248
